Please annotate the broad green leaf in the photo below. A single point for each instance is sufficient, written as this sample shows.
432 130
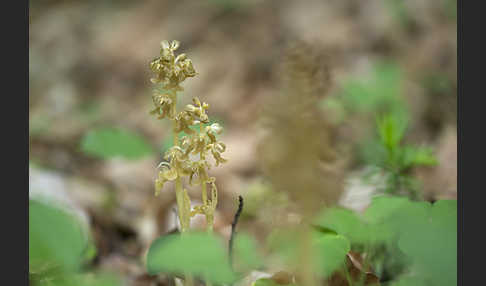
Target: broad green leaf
331 252
113 142
344 222
198 254
409 216
55 238
328 250
431 241
445 212
426 233
379 214
245 255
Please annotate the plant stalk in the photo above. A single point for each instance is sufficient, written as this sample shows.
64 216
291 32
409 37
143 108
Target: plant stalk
178 180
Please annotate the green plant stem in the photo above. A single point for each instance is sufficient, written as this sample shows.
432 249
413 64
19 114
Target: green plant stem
204 193
178 180
180 205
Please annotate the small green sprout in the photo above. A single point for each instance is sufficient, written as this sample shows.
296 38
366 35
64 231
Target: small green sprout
396 160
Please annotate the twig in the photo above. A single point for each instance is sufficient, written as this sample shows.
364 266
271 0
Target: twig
233 228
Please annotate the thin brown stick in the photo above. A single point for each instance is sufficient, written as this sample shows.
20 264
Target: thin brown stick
233 228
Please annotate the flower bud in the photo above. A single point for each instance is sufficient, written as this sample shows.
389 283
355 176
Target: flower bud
215 128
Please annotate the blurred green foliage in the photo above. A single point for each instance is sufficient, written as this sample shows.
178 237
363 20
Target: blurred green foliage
229 5
399 11
54 238
58 248
390 157
450 7
344 222
377 92
38 124
437 83
260 198
76 279
110 142
329 249
194 253
425 233
409 280
245 254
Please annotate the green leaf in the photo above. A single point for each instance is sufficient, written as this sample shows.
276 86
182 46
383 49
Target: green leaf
431 242
198 254
414 156
382 207
391 130
378 215
331 250
328 250
245 253
426 234
344 222
55 238
112 142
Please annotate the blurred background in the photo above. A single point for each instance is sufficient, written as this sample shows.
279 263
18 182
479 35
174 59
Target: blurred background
94 147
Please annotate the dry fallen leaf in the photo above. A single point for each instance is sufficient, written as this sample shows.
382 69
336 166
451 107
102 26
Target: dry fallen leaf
354 264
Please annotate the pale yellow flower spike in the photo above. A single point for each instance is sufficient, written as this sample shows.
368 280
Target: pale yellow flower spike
169 71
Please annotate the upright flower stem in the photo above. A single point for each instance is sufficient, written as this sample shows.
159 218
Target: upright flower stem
169 72
178 180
